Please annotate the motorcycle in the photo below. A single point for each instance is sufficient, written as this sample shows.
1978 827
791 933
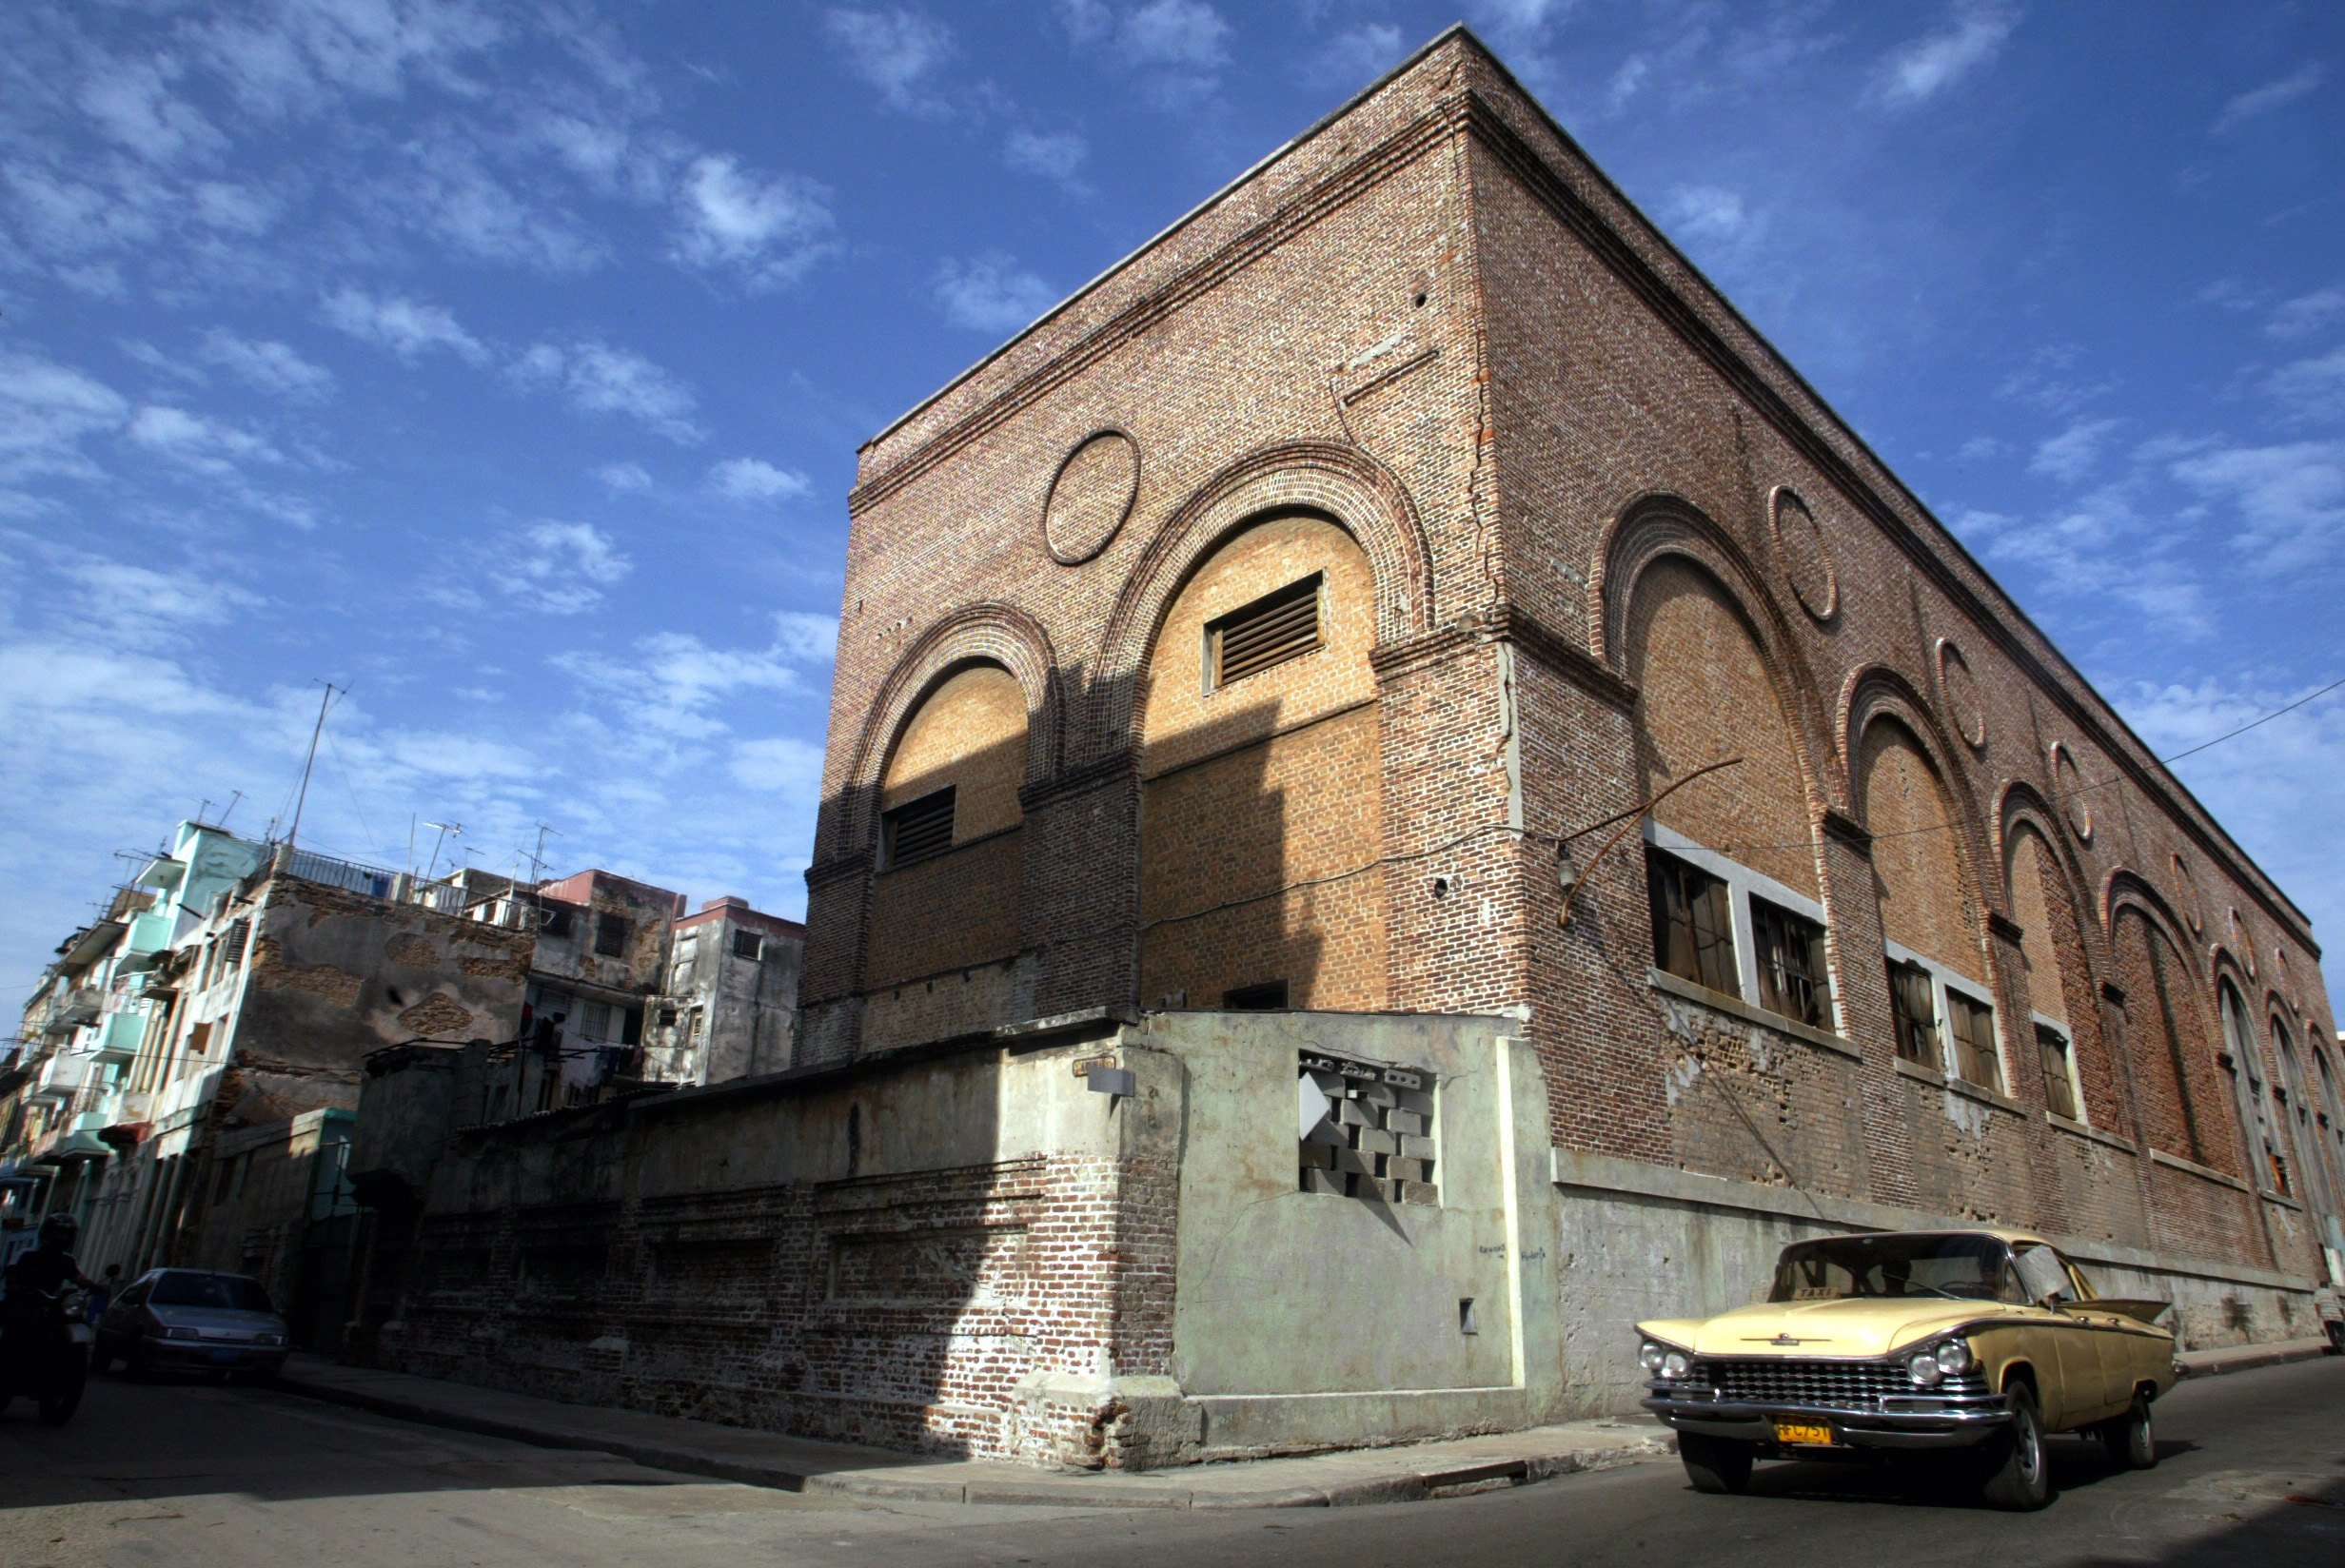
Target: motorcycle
45 1354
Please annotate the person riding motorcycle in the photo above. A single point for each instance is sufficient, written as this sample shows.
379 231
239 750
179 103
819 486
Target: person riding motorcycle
50 1267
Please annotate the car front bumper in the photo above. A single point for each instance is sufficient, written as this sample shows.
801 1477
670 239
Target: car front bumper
208 1356
1955 1421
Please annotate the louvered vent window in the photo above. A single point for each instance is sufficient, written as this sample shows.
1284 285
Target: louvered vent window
918 830
1272 630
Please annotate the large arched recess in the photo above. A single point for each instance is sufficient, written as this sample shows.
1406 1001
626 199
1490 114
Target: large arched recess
963 744
1338 481
1656 528
1262 818
2186 1111
1708 692
2044 895
985 632
1926 847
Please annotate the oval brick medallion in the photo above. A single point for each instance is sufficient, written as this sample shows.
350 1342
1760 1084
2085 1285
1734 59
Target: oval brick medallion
1090 497
2186 897
2068 789
1807 560
1960 689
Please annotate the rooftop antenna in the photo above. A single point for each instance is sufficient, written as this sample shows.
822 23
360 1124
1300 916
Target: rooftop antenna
446 829
202 807
324 703
537 858
235 796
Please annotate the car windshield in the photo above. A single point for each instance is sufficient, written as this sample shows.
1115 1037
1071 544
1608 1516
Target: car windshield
229 1291
1962 1268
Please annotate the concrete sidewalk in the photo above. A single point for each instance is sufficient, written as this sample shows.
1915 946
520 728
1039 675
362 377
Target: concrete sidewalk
2240 1357
1399 1473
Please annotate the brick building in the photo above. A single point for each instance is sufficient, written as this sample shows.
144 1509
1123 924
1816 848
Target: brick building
1399 660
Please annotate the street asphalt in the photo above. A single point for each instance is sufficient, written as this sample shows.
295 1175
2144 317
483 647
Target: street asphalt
191 1475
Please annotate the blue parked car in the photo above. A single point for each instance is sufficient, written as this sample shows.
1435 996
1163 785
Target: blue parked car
191 1319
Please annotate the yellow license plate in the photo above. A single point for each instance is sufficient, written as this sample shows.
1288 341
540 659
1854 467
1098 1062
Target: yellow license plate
1802 1432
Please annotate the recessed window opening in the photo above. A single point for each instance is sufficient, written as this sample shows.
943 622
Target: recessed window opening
611 937
1266 996
1278 627
1972 1024
2060 1087
1693 923
749 945
1794 977
1468 1322
1913 1014
918 830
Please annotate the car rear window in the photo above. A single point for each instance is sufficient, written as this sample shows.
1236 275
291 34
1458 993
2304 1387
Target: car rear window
1960 1267
228 1291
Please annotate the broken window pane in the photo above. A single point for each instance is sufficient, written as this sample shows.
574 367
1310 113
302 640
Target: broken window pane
1913 1014
1794 978
2059 1089
1693 927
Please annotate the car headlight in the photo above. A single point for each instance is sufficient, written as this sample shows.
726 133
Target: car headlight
1664 1361
1650 1356
1676 1364
268 1339
1922 1367
183 1334
1953 1357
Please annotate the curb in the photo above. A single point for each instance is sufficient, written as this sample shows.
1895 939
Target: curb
1042 1491
2247 1358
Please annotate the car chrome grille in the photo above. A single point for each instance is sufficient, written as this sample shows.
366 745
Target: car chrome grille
1833 1385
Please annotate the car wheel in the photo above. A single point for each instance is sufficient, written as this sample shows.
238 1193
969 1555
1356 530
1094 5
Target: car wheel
2021 1478
2131 1439
1716 1464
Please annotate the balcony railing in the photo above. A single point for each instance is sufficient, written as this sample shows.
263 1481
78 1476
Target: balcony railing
376 882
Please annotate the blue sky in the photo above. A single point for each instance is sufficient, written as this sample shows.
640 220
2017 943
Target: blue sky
506 363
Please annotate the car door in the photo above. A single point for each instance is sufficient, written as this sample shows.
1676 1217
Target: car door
2117 1339
2076 1346
120 1319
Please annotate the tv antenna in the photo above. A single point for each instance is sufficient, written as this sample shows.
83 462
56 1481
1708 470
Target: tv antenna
324 704
446 829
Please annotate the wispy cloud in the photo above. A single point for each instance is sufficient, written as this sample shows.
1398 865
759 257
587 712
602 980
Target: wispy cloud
2069 455
403 325
271 367
1920 70
896 50
768 230
754 480
1053 155
1174 47
557 568
594 377
1357 56
46 409
2260 100
992 293
626 477
2308 313
2291 501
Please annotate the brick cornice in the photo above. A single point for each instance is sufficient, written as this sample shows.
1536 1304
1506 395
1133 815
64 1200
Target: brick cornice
2003 925
1108 771
1399 659
1574 663
1334 191
1847 830
839 867
1492 132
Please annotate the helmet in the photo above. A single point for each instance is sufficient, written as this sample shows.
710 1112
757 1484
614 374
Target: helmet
60 1232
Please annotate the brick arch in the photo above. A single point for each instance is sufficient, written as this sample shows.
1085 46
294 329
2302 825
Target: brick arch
2021 806
1341 482
1877 692
977 634
2211 1115
1660 526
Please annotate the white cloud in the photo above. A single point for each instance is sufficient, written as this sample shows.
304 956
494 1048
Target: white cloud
2311 391
1054 155
269 366
769 231
140 607
131 103
992 294
401 326
2270 96
753 480
672 680
625 477
209 446
1174 32
1710 212
894 50
46 409
2069 455
299 56
1359 55
2290 498
2308 313
557 568
1927 66
779 765
594 378
449 191
806 637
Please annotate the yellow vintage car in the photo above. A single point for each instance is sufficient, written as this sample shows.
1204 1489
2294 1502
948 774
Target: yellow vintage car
1970 1343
